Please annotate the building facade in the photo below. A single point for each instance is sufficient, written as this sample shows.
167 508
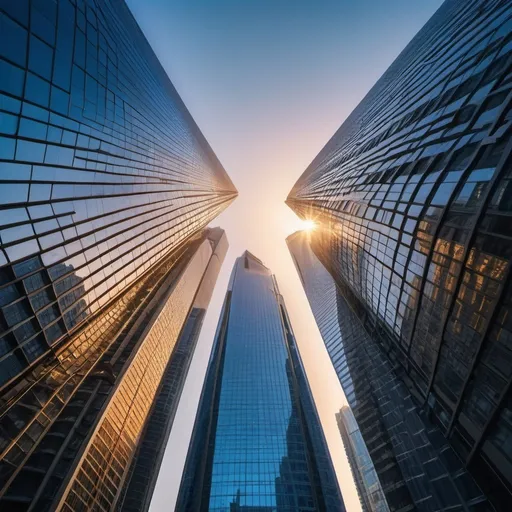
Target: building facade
415 466
412 198
141 480
257 443
103 171
111 411
367 482
106 186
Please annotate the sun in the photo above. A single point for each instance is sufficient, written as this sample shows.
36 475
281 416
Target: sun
308 225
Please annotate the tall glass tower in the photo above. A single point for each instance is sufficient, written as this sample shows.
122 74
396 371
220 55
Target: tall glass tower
140 482
106 415
414 465
106 187
367 482
103 171
413 198
257 443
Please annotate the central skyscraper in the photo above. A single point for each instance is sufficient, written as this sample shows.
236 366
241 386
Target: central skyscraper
257 444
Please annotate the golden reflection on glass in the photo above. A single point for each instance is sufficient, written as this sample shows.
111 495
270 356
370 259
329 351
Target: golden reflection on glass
97 480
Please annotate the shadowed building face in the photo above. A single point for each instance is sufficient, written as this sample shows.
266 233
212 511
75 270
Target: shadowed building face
413 465
412 198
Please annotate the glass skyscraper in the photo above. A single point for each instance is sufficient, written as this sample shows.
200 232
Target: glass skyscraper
111 412
257 444
415 466
140 483
106 186
365 477
412 197
103 171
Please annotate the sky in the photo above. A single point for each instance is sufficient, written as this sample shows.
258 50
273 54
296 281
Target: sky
269 82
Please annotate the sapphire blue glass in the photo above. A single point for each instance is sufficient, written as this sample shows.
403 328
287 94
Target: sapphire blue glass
106 187
103 171
257 443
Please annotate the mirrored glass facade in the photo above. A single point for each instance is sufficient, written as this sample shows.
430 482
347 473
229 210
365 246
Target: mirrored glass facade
257 443
106 187
103 171
76 425
101 470
413 199
140 482
415 466
367 482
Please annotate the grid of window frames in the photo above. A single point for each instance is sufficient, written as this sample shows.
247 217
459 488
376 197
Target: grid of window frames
416 467
324 476
48 416
102 169
141 480
414 193
367 482
101 470
254 446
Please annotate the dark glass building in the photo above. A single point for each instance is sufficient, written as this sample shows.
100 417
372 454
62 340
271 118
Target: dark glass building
415 466
412 196
367 482
257 443
106 186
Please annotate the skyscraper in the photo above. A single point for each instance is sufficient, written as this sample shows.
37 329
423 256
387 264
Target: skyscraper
415 466
412 198
103 170
365 477
140 482
257 443
106 186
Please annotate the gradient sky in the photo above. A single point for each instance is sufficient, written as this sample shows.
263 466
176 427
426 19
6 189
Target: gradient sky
269 82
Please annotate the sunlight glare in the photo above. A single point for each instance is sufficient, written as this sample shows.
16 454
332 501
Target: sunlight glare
308 225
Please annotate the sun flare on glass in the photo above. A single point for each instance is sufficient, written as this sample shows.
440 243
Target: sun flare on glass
308 225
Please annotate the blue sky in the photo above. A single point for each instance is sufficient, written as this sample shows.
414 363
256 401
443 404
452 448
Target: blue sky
269 82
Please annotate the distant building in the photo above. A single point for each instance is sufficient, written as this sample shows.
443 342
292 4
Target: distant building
413 197
365 477
257 443
141 480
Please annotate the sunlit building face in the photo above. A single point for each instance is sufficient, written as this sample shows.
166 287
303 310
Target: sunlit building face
412 199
